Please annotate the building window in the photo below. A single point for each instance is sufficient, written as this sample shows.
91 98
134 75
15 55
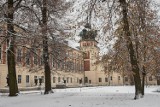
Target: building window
53 63
64 81
77 67
86 79
91 43
77 80
119 78
100 79
35 80
42 79
54 79
35 77
63 64
19 79
27 78
150 78
41 60
19 55
28 58
80 81
111 78
35 56
125 79
59 79
106 79
71 80
59 64
67 79
71 65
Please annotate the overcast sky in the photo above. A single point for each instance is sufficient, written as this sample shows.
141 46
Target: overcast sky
158 1
158 7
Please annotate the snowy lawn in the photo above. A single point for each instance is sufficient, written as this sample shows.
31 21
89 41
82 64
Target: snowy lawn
109 96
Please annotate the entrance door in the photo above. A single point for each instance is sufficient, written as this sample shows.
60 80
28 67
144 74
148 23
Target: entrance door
86 79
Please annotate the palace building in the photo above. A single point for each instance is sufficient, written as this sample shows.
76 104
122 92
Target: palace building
69 66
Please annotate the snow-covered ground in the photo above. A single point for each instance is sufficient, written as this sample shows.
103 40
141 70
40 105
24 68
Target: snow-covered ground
109 96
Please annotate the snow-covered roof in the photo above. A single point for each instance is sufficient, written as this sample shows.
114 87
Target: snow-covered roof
73 44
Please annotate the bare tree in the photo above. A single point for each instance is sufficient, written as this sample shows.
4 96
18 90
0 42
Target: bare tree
46 14
47 70
133 38
12 6
13 88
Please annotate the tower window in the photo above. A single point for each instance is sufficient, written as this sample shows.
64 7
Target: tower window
84 44
91 43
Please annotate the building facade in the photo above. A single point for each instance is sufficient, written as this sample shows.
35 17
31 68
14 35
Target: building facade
69 66
66 64
94 72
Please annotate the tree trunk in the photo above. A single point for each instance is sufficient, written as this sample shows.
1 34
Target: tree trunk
144 68
143 80
47 71
133 59
142 16
13 87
